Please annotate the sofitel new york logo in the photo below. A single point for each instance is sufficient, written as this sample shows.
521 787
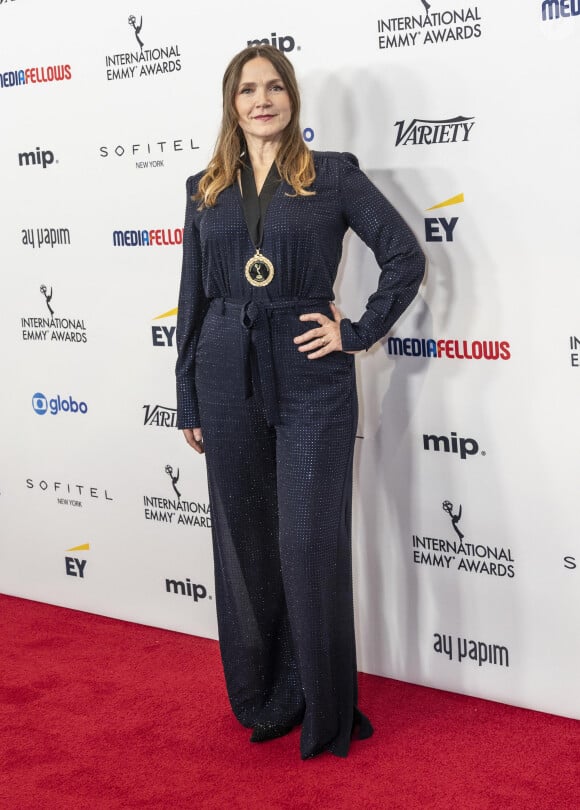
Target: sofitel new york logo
176 510
50 327
461 554
67 493
434 27
148 154
144 61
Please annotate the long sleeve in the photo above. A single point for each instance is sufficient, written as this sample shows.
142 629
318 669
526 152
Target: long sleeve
398 254
192 307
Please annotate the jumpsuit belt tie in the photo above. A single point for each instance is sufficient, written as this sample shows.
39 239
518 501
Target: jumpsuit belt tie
255 317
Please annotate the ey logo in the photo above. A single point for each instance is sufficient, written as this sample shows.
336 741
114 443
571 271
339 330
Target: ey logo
440 229
73 566
163 335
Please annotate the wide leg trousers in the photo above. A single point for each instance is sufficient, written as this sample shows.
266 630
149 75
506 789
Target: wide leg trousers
280 486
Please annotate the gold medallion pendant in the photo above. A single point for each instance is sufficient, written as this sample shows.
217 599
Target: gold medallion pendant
259 270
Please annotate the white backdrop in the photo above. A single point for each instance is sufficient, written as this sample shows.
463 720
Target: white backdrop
466 526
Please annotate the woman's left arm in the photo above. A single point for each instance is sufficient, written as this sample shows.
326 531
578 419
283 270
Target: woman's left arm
397 251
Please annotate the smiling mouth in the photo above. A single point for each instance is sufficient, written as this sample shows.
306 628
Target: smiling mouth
263 117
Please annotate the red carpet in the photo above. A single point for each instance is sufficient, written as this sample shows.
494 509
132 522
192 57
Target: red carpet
98 713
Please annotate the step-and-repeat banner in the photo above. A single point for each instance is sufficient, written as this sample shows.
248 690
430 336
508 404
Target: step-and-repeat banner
466 525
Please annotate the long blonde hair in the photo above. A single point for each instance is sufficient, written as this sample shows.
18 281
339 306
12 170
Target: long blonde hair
293 160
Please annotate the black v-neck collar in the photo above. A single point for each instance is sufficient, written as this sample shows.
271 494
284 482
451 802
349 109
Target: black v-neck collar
255 205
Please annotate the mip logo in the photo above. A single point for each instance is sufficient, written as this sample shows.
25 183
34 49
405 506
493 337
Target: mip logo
283 43
463 447
59 404
41 157
440 229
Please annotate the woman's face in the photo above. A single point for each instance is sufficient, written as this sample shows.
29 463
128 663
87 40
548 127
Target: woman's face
262 102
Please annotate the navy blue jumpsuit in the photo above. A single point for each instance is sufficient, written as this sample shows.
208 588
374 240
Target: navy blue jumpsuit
279 432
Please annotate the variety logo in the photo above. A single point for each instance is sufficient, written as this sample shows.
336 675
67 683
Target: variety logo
160 416
574 353
459 554
451 349
430 28
161 237
52 328
283 43
186 588
41 157
175 509
68 494
37 237
164 335
150 150
35 75
74 566
145 61
554 9
451 444
424 132
439 229
41 405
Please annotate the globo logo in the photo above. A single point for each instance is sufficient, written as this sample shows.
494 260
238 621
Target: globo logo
59 404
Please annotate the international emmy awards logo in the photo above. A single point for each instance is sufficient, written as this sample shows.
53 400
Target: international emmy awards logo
48 298
137 28
448 507
427 5
174 479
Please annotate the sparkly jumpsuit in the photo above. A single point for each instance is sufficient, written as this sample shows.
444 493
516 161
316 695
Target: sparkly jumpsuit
279 432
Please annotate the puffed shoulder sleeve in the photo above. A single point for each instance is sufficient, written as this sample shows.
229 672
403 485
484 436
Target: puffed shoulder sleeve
399 256
192 307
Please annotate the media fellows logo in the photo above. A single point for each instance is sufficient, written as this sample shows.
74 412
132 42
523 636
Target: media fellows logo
452 349
153 237
42 405
144 61
557 9
175 509
22 77
427 132
441 229
52 328
435 26
461 554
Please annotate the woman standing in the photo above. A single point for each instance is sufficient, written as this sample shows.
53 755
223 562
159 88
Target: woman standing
266 387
